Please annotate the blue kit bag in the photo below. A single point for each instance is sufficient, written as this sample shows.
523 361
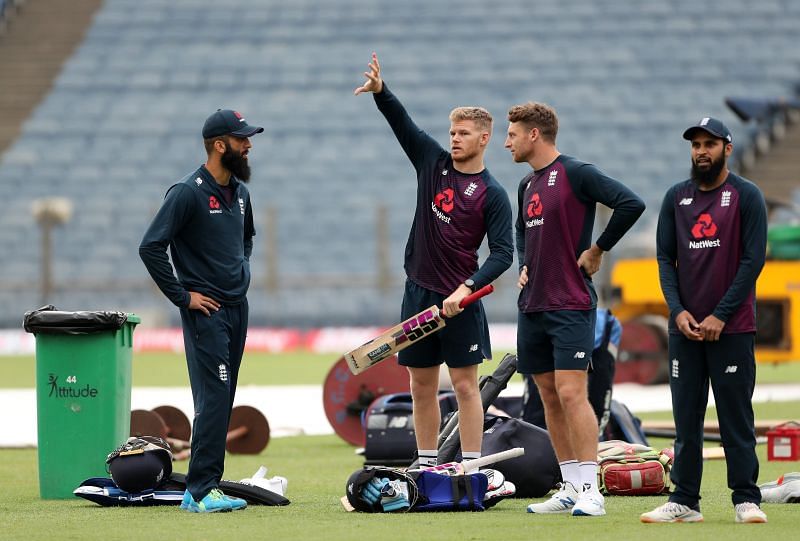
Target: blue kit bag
439 492
376 489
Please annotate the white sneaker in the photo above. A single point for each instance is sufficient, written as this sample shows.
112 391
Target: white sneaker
561 502
672 512
785 490
590 504
750 513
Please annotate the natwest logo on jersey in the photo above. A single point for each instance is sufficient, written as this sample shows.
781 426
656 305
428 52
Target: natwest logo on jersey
534 211
213 205
704 229
444 201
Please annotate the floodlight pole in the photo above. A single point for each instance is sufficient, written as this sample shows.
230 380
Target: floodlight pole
49 212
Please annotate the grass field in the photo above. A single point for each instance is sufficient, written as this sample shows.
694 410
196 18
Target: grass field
317 468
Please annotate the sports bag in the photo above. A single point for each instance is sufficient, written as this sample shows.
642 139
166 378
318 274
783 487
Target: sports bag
389 423
103 491
624 425
439 492
630 469
252 494
377 489
536 472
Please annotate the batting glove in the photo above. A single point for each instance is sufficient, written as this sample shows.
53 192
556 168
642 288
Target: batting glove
371 493
393 497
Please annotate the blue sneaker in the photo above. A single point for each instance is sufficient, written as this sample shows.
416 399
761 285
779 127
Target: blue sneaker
187 500
213 502
236 503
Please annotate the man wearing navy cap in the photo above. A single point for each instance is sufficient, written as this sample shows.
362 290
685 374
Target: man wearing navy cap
711 246
206 220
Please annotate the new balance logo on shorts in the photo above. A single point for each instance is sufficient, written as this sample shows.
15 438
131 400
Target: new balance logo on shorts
473 347
731 369
580 355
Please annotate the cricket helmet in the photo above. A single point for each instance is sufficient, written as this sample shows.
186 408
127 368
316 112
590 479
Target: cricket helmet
141 463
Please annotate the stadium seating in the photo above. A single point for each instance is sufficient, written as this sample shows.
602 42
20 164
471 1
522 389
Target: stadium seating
123 119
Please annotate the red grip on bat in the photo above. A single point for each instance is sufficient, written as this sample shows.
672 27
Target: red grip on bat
482 292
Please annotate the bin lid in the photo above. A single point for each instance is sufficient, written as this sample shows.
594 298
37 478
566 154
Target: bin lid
49 320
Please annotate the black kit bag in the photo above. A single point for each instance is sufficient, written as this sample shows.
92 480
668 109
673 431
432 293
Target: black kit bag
253 495
389 422
536 472
624 425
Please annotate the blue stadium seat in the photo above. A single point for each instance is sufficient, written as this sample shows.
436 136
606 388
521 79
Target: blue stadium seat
122 124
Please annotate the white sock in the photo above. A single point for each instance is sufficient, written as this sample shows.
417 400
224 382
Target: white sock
588 475
428 457
467 457
570 473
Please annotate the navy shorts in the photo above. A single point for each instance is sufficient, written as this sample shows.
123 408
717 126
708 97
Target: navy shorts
463 342
556 340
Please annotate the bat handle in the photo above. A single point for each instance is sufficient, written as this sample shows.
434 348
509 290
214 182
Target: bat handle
482 292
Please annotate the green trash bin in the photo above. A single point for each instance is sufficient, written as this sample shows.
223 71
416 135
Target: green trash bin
83 393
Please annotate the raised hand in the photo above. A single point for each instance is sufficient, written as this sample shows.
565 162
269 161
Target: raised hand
374 83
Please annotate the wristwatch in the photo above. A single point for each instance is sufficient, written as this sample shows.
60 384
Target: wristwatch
470 283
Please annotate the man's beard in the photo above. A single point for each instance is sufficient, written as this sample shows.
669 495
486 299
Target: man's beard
708 177
466 156
236 163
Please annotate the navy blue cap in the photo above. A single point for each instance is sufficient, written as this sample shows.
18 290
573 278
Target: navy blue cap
711 125
228 122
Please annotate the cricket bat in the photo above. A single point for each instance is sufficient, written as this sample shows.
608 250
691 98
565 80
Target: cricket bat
457 468
404 334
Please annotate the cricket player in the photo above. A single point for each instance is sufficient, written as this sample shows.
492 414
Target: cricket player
557 302
206 220
458 204
711 245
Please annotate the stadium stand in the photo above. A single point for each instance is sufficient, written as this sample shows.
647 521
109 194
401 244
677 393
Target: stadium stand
123 118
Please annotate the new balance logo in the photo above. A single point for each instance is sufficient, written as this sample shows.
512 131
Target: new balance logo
473 347
198 181
731 369
686 201
580 355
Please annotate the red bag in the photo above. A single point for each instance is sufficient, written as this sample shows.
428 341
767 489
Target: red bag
633 478
630 469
